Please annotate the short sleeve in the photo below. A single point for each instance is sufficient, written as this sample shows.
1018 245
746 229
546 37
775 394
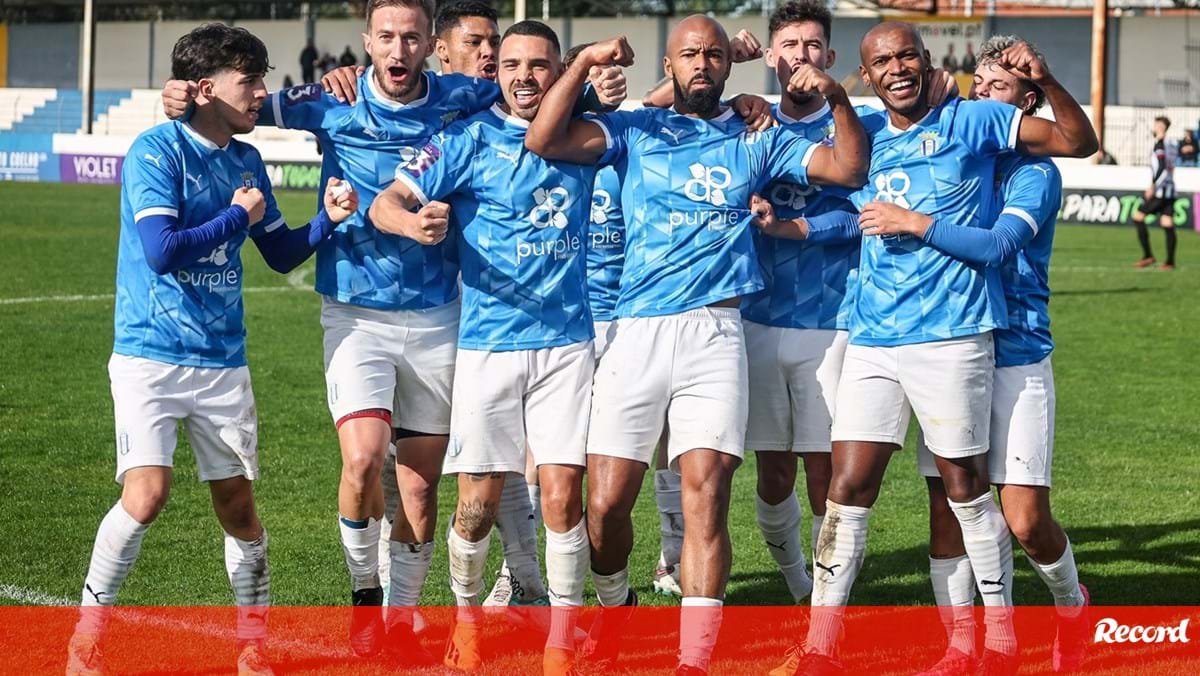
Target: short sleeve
272 219
987 127
1033 193
151 179
617 127
443 166
300 107
787 155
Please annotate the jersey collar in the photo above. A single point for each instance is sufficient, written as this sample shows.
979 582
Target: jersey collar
897 130
807 119
201 140
377 95
510 119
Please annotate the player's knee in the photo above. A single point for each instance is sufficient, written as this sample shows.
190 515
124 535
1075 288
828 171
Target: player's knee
474 518
236 511
774 486
420 494
852 491
362 465
145 503
561 505
1030 526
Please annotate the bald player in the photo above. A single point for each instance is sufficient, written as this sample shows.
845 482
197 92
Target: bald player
687 174
921 327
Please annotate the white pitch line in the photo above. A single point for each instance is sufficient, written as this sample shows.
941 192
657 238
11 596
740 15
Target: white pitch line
108 296
33 597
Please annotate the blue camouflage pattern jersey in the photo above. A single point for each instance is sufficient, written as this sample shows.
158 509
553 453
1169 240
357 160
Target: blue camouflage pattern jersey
944 165
366 144
806 284
522 235
1030 188
606 245
685 194
192 316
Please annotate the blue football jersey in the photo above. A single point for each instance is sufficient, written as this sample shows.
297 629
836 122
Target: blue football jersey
909 292
806 284
1030 188
522 233
606 245
685 193
366 144
192 316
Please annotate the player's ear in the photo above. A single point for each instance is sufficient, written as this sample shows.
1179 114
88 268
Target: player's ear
367 44
769 58
204 88
429 49
442 50
830 57
667 68
866 77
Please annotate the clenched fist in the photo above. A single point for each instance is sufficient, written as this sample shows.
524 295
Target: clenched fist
252 200
432 222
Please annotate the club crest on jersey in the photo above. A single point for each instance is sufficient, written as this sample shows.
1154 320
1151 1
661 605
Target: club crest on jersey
302 94
416 162
248 179
929 142
751 137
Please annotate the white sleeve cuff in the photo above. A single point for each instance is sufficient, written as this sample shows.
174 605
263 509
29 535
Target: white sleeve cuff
277 109
412 185
1014 129
156 211
274 226
1024 216
608 139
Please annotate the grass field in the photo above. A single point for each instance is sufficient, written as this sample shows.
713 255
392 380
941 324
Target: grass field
1127 471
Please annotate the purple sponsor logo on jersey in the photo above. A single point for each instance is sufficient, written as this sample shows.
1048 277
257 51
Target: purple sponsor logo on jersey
421 162
302 94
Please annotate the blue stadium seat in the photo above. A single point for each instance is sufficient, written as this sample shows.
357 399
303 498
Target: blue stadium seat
63 114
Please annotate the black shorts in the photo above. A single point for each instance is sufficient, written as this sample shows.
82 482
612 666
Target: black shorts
1164 206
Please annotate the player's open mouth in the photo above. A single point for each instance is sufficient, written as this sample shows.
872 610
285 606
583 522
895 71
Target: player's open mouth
488 70
525 97
397 73
903 87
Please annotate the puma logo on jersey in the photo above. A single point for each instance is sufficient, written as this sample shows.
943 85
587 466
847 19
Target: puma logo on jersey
153 158
511 157
1042 168
672 133
194 179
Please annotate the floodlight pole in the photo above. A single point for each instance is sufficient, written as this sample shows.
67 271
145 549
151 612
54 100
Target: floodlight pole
1099 69
519 11
87 75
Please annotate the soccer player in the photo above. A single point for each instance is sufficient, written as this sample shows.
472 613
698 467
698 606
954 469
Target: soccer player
190 196
796 327
686 175
525 358
1160 197
1022 419
920 328
390 309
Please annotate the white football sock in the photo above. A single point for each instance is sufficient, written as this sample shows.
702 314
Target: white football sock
534 491
567 556
954 591
824 629
818 519
699 624
118 541
360 544
989 546
840 549
668 495
467 561
409 568
612 590
391 502
515 521
1062 579
250 577
780 526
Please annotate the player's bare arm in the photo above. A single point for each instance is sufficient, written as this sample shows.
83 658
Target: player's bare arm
844 163
395 211
553 134
1071 133
885 218
766 220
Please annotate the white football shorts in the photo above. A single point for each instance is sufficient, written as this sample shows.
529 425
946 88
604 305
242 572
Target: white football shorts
1022 434
507 401
946 383
794 377
400 361
216 405
688 370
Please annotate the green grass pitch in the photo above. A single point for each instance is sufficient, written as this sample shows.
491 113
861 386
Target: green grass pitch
1127 471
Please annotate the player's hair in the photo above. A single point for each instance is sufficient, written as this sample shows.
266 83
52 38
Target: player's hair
1165 120
214 47
573 53
799 11
451 13
993 47
535 29
426 7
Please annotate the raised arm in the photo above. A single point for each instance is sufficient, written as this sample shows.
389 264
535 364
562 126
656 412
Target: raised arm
553 134
845 163
1071 133
285 248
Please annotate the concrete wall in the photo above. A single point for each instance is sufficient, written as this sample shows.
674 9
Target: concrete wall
44 55
123 56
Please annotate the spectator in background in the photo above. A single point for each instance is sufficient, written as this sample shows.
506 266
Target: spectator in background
348 58
1187 149
308 62
968 61
288 82
327 63
949 61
